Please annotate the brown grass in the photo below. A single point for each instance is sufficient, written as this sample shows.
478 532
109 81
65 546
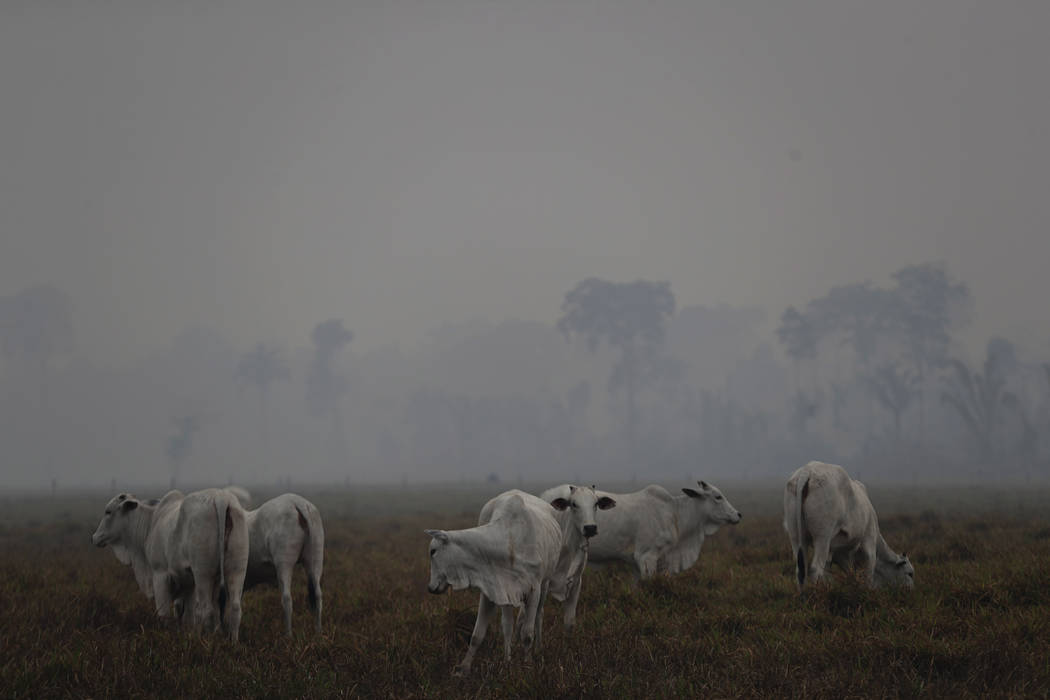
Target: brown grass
72 622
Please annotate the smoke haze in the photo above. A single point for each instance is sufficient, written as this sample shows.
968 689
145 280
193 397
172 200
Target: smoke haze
201 177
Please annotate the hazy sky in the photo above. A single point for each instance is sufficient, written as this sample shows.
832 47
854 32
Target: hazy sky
261 166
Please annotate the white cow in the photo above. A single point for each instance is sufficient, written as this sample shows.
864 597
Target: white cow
511 557
183 545
285 531
577 508
653 531
825 507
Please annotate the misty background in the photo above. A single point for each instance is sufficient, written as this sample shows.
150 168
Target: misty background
385 241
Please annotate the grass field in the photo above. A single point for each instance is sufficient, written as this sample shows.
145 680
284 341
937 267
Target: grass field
73 623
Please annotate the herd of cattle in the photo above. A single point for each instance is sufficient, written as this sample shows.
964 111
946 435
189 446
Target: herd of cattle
204 548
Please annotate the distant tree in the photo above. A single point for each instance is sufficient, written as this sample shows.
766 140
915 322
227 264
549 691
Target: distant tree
894 388
324 386
930 306
799 337
979 397
858 316
629 317
262 367
858 313
179 446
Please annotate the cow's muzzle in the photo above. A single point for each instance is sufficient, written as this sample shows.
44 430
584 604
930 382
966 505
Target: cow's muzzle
439 588
99 541
590 530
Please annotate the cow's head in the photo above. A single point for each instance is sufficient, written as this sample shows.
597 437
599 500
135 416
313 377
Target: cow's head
895 572
717 509
439 554
583 503
114 521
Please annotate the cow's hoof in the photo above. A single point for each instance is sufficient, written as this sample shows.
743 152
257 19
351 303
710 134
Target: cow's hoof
461 671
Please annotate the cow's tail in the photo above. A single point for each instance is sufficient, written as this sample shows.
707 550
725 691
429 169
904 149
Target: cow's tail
801 491
225 524
312 555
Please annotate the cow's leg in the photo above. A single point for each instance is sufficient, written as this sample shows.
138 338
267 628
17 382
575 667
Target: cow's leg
528 625
236 570
539 614
284 582
162 594
648 563
206 616
234 591
507 621
485 608
202 605
184 602
866 558
537 618
569 607
313 589
821 553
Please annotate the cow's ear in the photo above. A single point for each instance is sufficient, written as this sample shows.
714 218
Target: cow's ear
560 504
129 506
439 535
703 485
605 503
692 493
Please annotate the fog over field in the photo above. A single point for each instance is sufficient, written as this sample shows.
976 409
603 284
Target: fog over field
508 241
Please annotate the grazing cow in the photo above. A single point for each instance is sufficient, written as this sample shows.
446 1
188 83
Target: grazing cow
653 531
511 558
284 531
184 545
825 507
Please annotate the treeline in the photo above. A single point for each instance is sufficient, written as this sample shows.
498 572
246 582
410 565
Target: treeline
621 383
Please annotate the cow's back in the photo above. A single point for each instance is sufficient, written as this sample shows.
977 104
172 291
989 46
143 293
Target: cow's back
209 520
640 519
276 524
833 504
530 527
161 543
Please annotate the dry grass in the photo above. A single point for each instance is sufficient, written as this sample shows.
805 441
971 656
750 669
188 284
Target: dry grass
978 624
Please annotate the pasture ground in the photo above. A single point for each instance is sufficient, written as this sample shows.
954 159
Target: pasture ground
73 623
